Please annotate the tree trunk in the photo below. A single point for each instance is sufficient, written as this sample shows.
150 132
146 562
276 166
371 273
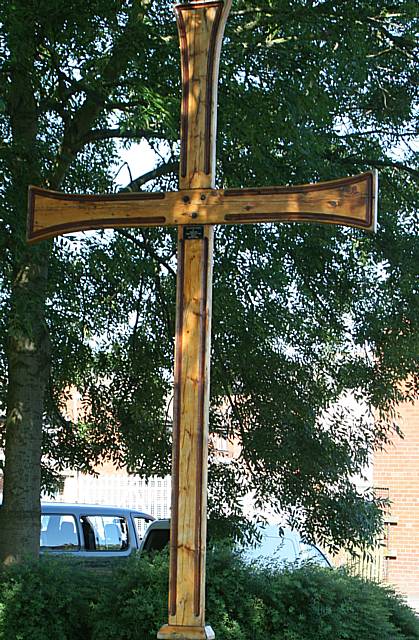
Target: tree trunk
27 343
28 367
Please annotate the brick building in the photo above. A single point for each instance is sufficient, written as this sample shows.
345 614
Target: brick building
396 476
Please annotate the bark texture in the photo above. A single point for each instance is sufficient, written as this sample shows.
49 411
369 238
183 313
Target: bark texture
27 343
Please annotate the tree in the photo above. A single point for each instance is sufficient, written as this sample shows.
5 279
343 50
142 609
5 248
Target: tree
309 90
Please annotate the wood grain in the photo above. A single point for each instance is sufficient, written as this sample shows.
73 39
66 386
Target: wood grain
350 201
182 632
201 26
189 475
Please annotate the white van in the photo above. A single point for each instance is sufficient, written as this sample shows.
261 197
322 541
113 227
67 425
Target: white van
91 531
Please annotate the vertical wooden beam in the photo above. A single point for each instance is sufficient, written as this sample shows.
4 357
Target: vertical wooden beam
201 27
190 437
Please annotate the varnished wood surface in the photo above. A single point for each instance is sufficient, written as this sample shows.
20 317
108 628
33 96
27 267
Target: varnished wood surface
201 27
176 632
190 431
351 201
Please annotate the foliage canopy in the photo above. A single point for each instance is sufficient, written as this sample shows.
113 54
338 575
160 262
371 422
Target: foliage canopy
303 315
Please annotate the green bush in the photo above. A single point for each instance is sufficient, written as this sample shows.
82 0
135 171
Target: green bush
48 600
305 603
330 605
136 606
58 600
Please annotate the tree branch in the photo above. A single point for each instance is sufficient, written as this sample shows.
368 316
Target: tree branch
374 163
115 105
65 88
86 115
146 247
388 163
403 44
163 169
382 132
105 134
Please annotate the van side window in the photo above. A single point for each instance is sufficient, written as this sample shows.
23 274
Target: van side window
105 533
141 526
59 533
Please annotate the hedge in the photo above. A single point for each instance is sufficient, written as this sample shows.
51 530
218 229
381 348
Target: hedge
59 599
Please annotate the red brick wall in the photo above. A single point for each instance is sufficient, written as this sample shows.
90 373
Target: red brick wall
398 469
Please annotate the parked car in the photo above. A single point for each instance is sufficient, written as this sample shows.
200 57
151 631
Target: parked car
91 531
157 536
288 547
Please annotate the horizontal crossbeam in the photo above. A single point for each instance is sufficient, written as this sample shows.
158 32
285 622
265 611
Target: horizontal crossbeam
350 201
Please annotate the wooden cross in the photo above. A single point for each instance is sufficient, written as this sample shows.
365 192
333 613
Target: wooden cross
194 209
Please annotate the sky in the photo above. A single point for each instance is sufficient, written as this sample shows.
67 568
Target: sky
140 159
